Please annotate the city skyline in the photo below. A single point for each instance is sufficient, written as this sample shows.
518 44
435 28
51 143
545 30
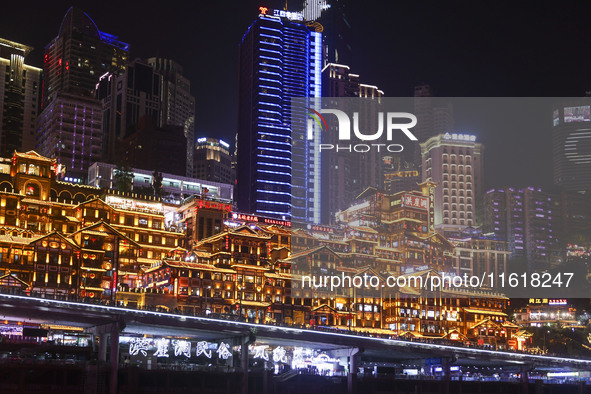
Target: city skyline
505 58
406 207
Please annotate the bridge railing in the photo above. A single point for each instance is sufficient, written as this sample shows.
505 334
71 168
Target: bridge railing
232 317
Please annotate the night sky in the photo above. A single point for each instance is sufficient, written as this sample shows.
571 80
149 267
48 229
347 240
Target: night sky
462 48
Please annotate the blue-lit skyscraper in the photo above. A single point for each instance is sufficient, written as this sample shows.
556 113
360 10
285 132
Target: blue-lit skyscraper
280 58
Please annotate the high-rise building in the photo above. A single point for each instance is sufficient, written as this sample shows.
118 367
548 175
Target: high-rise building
154 148
349 173
573 214
79 55
571 146
525 219
333 15
70 131
127 98
368 168
434 117
213 161
178 105
70 126
20 86
454 162
280 58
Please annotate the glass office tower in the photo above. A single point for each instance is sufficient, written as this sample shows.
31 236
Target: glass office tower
280 59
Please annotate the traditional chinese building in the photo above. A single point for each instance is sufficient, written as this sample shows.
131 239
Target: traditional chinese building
32 197
551 312
140 219
236 272
472 315
479 254
91 263
398 230
201 218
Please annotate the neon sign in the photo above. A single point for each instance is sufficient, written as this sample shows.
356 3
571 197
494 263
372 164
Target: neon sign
213 205
133 205
315 227
410 201
294 16
459 137
557 301
253 218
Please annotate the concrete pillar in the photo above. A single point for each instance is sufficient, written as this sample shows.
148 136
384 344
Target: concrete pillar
445 366
244 366
351 354
114 359
352 377
266 380
102 351
524 379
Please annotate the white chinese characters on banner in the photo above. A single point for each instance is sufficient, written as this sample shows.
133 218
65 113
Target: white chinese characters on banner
137 345
203 348
162 347
224 351
182 348
259 352
279 355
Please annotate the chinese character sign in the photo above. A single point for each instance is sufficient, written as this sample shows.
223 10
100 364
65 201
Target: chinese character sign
162 347
279 355
411 201
203 348
224 351
137 345
259 352
182 348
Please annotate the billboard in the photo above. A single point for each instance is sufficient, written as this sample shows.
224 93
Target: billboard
577 114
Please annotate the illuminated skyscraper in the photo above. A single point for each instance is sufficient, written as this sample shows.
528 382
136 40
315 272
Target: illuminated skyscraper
70 132
571 145
213 161
280 58
70 127
20 92
454 162
349 173
333 15
79 55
